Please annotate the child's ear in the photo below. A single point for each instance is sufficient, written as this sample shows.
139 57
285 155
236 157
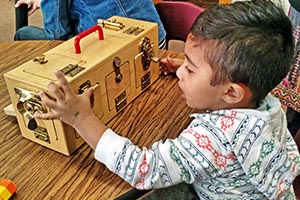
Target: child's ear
236 93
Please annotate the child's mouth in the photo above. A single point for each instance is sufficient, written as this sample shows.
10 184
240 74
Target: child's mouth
182 93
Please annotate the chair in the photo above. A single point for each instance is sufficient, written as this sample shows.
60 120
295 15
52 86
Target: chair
296 182
177 18
21 16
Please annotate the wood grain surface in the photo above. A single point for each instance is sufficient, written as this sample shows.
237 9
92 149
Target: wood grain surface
41 173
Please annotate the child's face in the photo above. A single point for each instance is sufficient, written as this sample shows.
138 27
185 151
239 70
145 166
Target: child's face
194 80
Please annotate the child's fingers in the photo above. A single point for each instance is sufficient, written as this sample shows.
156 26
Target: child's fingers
169 61
64 84
50 103
175 62
47 101
56 91
45 116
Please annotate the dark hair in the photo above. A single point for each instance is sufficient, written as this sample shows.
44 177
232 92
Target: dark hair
247 42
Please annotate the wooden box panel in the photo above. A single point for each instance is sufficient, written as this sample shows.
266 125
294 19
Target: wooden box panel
115 64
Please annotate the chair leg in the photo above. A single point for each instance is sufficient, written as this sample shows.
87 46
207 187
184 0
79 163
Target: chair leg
21 16
297 139
296 185
293 118
296 182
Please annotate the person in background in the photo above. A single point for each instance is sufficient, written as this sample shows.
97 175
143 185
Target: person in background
64 19
293 116
295 12
238 145
293 76
288 90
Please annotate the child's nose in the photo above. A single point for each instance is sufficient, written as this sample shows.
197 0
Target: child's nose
179 72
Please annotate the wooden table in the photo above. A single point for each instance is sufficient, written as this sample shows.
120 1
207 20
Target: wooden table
41 173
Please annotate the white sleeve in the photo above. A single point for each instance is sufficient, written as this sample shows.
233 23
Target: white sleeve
108 147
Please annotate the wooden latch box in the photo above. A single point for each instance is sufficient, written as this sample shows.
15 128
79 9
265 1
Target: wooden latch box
118 54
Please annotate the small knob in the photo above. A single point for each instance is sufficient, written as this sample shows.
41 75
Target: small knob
117 65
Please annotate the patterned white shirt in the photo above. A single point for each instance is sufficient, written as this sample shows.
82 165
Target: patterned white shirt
225 154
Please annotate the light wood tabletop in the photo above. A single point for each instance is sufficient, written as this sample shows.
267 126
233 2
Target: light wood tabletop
41 173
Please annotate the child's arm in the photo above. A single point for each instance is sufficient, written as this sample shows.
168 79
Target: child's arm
111 149
72 109
169 65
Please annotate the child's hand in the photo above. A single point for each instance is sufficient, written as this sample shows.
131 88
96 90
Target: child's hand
64 104
33 5
169 65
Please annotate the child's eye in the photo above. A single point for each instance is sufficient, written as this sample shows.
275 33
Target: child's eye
188 69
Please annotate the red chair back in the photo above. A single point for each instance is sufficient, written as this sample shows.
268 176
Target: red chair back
177 17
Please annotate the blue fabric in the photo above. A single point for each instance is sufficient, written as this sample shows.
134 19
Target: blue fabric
64 19
295 4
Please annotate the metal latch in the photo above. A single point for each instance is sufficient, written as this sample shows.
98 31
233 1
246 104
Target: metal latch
85 86
29 103
146 48
134 30
146 80
42 134
110 24
117 65
121 101
41 59
72 69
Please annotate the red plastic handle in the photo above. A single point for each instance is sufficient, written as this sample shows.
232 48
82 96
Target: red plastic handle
85 33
